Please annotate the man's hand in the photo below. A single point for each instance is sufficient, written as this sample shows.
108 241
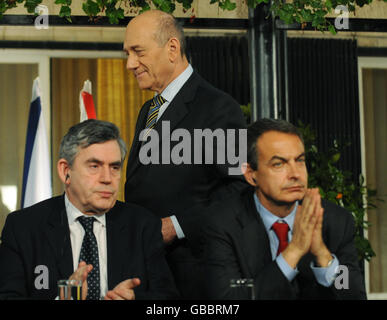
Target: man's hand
124 290
303 228
168 230
318 247
81 275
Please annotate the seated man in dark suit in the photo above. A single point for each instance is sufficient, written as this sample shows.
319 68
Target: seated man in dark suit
114 248
279 233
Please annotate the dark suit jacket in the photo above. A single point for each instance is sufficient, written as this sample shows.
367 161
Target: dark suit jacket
237 247
185 190
40 235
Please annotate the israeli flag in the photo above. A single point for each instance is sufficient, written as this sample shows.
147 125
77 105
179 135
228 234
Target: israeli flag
37 169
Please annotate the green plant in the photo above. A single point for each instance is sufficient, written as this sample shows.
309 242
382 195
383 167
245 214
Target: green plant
301 11
246 109
339 187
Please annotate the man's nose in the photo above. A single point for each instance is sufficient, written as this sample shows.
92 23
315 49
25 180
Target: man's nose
132 62
294 171
106 175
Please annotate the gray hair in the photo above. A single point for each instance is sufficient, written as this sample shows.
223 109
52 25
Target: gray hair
258 128
86 133
169 27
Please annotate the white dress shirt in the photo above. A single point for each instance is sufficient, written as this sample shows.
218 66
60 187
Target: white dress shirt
76 236
173 88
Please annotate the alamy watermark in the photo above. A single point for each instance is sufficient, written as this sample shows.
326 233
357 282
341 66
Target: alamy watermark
41 21
42 278
342 21
198 146
341 281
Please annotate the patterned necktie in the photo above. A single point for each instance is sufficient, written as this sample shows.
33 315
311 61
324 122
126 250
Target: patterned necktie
281 229
89 254
154 108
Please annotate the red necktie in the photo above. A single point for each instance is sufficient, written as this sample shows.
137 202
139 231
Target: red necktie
281 230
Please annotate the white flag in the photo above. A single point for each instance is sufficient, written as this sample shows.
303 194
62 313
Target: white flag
37 169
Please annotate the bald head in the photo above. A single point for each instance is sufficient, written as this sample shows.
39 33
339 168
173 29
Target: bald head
163 27
154 43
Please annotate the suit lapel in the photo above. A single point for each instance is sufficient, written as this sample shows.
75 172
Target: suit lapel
175 113
58 236
178 108
116 250
133 160
255 242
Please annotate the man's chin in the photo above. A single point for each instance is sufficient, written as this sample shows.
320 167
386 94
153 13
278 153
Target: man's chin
102 208
288 201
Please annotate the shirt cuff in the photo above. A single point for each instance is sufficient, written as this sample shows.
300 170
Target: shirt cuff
179 231
287 270
326 276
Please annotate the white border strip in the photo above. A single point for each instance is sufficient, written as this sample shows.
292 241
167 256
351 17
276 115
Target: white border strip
367 63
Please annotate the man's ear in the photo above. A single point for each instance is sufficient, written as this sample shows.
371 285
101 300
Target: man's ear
63 170
249 174
173 49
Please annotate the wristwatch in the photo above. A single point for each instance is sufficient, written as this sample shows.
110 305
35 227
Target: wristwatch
328 265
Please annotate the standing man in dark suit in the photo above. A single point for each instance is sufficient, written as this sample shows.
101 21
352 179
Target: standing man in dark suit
291 250
177 193
114 248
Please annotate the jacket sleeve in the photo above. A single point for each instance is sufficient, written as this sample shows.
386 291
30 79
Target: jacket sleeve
160 284
227 116
349 283
224 260
12 273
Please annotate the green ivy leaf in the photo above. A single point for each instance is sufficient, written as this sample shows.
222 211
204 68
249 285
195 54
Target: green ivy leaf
227 5
31 5
65 12
336 156
63 2
91 8
187 4
145 7
164 5
253 3
114 15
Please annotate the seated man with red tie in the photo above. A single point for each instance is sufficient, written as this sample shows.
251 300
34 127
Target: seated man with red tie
279 233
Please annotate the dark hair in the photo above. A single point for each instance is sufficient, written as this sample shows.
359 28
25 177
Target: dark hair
169 27
258 128
86 133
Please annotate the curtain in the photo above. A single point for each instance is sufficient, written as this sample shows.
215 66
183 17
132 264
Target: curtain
15 92
224 62
119 101
323 92
67 78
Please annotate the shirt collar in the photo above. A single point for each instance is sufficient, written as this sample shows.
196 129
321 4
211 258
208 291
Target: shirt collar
269 218
174 87
73 213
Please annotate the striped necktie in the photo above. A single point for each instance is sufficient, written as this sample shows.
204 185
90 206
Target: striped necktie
154 108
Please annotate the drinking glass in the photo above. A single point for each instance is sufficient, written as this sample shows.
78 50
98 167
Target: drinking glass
70 290
247 285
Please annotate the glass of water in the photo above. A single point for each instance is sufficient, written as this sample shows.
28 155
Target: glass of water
247 285
70 290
